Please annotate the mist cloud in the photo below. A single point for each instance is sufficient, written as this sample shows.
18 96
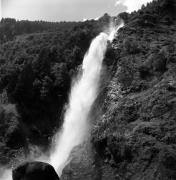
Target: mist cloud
132 5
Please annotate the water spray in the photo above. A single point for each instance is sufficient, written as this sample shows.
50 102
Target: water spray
84 91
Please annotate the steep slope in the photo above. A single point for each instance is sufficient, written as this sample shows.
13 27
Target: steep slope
136 132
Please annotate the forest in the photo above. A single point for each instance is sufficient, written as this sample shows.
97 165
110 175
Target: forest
134 137
37 63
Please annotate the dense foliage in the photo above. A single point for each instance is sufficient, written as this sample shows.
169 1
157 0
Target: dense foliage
10 28
135 134
134 129
37 62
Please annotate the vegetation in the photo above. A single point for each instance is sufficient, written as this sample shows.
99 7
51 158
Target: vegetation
37 62
133 133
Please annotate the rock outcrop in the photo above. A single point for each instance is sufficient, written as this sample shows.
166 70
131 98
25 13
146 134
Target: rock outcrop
35 171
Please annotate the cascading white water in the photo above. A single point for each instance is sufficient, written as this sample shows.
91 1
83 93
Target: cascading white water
83 94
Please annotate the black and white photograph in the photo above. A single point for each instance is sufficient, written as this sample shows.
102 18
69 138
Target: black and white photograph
87 89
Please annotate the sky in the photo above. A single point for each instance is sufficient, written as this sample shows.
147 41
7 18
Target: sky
65 10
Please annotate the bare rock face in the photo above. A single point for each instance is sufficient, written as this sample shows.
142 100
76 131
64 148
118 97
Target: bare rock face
35 171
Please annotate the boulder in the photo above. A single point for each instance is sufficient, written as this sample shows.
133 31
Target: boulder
34 171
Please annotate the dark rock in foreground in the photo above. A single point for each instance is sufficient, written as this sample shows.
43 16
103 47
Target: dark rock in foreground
35 171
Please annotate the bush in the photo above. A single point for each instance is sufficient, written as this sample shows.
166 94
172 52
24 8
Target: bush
130 45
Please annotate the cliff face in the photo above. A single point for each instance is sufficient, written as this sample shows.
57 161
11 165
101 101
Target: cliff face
136 134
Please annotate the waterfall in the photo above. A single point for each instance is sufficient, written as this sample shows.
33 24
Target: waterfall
84 91
83 94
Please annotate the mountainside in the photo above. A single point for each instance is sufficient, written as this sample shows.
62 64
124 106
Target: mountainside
134 117
37 63
136 132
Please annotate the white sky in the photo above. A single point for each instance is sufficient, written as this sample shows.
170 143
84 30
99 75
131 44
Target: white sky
68 10
0 9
